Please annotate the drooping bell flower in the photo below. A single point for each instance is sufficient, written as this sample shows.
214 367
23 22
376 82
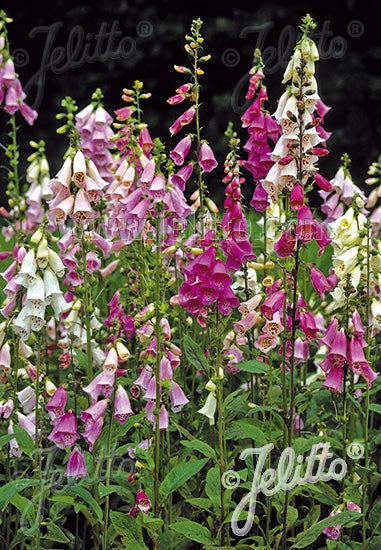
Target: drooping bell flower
64 433
272 304
56 405
177 397
76 467
111 362
319 281
94 413
82 210
27 399
227 301
207 160
338 353
122 408
182 176
333 532
334 380
181 150
358 363
285 246
306 226
307 324
260 198
92 432
143 502
209 409
102 383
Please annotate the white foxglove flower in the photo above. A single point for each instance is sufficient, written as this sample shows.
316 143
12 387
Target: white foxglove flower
209 408
79 168
35 298
23 324
51 285
27 399
27 274
345 262
59 304
376 313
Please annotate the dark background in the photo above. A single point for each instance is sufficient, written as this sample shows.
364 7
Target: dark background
348 76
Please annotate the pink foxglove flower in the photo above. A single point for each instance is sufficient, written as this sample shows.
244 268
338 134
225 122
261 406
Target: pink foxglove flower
102 383
333 532
181 150
177 397
56 405
76 467
94 413
64 433
207 160
285 246
122 405
92 432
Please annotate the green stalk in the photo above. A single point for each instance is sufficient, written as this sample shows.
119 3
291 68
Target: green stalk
198 139
87 306
37 459
221 429
156 412
367 397
108 473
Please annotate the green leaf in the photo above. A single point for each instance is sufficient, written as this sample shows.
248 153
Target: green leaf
179 475
129 423
25 442
12 488
82 358
201 447
306 538
213 487
374 407
4 439
152 524
203 503
86 496
25 506
245 429
195 354
193 531
127 528
254 366
55 533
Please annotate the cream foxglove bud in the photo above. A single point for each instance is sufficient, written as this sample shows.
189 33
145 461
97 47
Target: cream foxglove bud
37 236
55 263
122 351
42 253
209 408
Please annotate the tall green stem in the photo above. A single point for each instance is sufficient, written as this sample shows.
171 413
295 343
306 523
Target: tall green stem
108 472
157 368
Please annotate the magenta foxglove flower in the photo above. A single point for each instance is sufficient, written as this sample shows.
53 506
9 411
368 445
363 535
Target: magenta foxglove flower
207 160
64 433
260 200
272 304
334 380
358 363
143 502
181 150
319 281
56 405
285 246
306 226
323 183
122 408
333 532
76 467
182 176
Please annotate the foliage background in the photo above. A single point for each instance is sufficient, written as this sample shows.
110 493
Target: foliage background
349 82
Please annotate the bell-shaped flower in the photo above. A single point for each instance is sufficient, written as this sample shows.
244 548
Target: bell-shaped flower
27 399
35 297
207 160
334 379
76 467
181 150
82 210
5 358
56 405
182 176
60 211
27 424
319 281
92 432
177 397
147 175
209 409
297 197
285 246
306 226
27 274
13 444
79 168
22 325
94 413
102 383
64 433
122 407
144 378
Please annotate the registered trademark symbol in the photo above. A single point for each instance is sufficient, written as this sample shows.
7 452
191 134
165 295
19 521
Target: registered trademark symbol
355 28
355 450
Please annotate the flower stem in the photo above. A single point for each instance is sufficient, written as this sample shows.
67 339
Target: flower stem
157 369
108 472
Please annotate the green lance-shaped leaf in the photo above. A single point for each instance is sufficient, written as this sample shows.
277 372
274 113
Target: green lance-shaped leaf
193 531
179 475
306 538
